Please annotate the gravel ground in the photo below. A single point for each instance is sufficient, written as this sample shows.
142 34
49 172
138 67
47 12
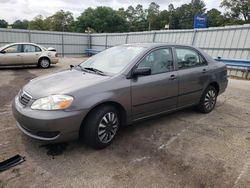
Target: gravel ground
182 149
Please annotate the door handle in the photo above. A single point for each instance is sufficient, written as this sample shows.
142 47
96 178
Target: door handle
172 77
204 70
18 55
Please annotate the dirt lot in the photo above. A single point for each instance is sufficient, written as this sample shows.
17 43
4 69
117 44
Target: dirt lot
182 149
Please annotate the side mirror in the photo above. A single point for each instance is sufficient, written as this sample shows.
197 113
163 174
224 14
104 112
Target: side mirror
142 71
3 52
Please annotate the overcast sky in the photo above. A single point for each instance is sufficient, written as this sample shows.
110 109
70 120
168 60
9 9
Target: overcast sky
11 10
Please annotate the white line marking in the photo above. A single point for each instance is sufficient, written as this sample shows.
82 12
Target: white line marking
171 140
5 143
140 159
243 171
6 112
8 129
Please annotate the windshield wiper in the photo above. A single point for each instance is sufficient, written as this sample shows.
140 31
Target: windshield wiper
94 70
82 69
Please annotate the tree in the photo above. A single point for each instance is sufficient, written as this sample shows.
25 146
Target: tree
198 6
18 24
152 13
39 23
136 18
101 19
237 9
3 24
61 21
215 18
183 16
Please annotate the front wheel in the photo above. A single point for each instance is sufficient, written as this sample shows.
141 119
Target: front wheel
101 126
208 100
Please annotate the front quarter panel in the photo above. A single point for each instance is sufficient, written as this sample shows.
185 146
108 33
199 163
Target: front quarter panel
116 89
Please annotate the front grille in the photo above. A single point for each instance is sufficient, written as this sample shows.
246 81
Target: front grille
24 98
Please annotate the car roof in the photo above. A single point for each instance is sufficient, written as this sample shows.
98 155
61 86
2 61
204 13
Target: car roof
21 43
153 45
16 43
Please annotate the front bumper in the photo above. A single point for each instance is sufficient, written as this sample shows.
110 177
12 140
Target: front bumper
47 125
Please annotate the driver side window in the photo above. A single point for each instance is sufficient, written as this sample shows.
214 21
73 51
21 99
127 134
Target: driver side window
13 49
159 61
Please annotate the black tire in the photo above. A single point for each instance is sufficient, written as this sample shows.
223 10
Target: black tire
44 63
93 131
208 100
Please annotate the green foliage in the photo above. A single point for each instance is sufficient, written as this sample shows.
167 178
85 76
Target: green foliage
61 21
106 19
39 23
237 9
101 19
3 24
183 16
18 24
153 13
215 18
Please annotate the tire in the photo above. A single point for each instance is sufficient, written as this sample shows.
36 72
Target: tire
208 100
44 63
100 127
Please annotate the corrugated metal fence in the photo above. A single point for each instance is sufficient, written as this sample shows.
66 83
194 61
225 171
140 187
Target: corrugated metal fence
64 42
227 42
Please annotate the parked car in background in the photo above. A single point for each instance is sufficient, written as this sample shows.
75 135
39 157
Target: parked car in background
20 54
118 86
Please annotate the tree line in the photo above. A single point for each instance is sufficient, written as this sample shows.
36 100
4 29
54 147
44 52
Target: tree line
106 19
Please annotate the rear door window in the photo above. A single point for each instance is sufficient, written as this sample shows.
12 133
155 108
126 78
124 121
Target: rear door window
188 58
29 48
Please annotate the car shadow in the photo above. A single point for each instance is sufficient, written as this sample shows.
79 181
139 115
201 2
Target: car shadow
32 67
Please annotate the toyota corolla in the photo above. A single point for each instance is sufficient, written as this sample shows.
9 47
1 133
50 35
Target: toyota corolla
116 87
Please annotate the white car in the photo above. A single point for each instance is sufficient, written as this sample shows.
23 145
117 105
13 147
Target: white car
16 54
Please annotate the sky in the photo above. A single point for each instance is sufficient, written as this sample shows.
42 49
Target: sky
11 10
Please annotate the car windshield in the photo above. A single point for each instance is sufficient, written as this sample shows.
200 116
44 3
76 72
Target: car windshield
113 60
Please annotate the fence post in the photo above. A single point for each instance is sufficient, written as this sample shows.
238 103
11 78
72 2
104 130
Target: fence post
194 35
89 40
154 36
126 40
62 45
106 41
29 36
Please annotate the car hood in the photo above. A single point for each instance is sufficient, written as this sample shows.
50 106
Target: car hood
62 83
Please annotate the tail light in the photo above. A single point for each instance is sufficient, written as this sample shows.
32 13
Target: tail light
56 55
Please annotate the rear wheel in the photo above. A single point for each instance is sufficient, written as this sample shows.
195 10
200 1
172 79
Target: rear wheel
208 100
44 63
101 126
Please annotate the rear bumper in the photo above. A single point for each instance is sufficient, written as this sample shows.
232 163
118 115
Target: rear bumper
54 60
223 86
49 126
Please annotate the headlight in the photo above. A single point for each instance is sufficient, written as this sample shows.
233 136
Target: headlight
53 102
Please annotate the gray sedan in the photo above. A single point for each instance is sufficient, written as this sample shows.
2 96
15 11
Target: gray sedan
116 87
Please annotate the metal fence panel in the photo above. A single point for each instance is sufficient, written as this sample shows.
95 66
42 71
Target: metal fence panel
140 37
113 40
227 42
63 42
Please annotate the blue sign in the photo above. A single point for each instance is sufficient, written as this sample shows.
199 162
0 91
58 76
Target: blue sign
200 21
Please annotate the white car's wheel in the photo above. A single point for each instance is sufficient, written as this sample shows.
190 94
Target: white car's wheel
44 63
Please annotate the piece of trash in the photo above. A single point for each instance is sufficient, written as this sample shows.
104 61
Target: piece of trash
11 162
